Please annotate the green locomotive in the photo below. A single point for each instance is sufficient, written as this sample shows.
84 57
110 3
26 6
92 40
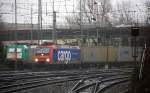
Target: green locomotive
20 52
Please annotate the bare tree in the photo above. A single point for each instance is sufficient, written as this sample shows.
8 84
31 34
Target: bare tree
148 12
98 11
124 13
106 8
1 23
1 20
93 12
74 19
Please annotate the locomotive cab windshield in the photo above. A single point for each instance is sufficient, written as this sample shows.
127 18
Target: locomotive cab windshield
42 51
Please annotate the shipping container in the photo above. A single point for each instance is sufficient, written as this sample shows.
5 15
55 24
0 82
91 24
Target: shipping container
125 54
66 56
112 54
99 54
93 54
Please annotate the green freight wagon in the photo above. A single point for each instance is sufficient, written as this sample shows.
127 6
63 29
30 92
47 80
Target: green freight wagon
17 52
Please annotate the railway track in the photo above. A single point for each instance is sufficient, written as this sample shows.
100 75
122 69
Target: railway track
22 81
96 88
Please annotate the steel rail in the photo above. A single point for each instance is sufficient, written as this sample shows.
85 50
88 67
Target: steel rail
38 83
97 83
44 79
112 84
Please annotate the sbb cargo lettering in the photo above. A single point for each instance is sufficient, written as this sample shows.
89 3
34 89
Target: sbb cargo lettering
64 55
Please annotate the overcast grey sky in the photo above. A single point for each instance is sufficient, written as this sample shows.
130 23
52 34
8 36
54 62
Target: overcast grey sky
62 7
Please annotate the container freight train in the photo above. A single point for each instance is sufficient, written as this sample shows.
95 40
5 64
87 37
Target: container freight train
55 54
52 54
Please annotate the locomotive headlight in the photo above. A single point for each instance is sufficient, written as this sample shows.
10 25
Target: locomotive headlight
36 60
47 60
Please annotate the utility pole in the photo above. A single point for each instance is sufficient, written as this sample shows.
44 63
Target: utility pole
54 25
54 28
148 18
81 36
31 26
15 36
81 22
39 21
46 9
96 4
